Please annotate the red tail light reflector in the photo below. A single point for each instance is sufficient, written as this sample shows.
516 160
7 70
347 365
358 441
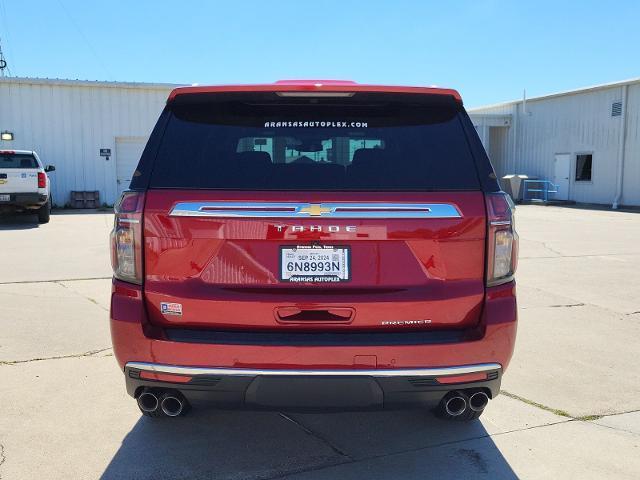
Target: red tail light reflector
42 180
126 238
502 242
467 377
165 377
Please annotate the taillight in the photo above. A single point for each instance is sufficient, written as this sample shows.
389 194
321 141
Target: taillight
502 246
126 238
42 180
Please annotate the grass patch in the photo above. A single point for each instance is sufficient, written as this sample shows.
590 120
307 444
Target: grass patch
588 418
559 412
562 413
556 411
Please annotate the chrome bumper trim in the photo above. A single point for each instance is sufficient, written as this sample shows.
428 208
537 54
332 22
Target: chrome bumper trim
246 372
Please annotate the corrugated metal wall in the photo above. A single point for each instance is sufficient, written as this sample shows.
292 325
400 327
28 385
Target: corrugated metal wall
631 183
575 123
67 122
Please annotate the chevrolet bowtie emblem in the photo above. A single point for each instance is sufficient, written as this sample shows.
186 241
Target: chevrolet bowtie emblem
315 210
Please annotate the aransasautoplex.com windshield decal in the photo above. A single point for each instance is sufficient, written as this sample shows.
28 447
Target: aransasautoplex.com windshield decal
315 124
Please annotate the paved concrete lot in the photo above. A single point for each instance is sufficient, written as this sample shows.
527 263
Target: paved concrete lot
570 409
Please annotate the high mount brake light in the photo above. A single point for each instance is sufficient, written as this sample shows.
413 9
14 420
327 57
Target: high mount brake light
126 238
502 250
316 94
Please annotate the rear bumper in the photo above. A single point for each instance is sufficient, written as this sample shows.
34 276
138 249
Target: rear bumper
21 201
277 375
313 389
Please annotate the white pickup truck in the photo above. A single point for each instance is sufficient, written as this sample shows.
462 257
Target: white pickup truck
24 184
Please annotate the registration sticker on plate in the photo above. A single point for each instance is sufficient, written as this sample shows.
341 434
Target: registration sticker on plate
315 264
5 198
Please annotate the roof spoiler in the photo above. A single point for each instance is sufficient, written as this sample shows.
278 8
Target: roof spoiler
315 88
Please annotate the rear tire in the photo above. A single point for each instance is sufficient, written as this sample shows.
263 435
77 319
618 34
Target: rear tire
44 212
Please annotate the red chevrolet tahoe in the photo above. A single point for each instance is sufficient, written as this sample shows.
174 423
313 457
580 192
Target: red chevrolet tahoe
314 245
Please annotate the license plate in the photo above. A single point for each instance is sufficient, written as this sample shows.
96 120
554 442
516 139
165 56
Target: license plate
5 198
315 264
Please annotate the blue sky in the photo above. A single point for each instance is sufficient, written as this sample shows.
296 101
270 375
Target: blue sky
490 50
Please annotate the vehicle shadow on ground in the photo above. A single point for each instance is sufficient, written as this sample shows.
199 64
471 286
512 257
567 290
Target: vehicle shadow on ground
82 211
372 445
592 207
24 221
18 222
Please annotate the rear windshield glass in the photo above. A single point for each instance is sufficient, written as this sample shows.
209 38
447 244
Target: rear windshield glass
235 145
17 160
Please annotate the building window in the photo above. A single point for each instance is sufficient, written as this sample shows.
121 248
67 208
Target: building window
583 167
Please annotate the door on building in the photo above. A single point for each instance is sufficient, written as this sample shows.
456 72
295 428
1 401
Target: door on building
562 172
128 152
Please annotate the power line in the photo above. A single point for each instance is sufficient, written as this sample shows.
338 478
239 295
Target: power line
3 64
4 67
86 40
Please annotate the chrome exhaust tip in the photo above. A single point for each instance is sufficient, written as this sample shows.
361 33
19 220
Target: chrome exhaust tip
171 405
148 402
477 401
455 405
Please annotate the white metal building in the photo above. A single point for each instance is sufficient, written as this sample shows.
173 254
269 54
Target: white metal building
586 141
68 122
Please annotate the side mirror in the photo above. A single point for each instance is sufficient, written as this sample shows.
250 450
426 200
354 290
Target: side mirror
49 168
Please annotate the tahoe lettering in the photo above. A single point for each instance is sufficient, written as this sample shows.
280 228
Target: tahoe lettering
317 228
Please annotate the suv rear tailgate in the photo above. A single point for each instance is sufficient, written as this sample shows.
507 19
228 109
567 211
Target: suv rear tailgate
406 273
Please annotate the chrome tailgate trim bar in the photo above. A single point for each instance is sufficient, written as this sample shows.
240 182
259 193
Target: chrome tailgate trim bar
314 210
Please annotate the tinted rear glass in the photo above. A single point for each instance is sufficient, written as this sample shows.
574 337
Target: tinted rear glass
17 160
240 146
